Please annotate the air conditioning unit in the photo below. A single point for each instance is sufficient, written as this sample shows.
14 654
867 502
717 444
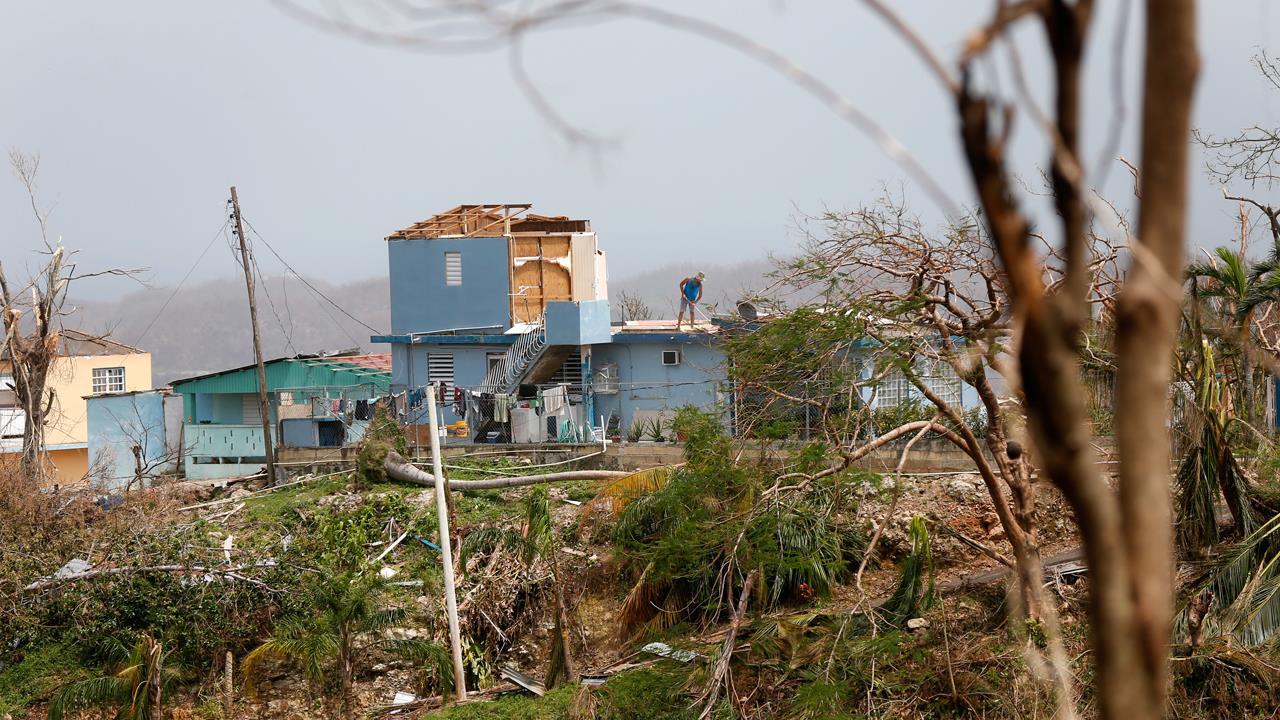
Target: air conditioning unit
670 357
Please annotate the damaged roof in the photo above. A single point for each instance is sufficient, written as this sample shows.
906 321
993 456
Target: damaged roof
299 371
77 343
492 220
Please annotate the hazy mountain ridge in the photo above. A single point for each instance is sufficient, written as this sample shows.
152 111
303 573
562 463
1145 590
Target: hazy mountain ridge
205 327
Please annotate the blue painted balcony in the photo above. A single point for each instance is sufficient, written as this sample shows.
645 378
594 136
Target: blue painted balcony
221 451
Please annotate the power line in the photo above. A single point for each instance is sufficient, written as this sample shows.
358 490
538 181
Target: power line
192 269
370 328
342 328
262 282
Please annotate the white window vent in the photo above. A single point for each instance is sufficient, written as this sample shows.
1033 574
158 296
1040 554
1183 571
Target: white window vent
453 268
606 380
440 369
670 357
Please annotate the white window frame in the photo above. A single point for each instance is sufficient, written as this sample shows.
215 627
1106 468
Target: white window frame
942 380
452 268
676 356
107 380
893 389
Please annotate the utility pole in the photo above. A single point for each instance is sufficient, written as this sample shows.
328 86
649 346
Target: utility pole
263 405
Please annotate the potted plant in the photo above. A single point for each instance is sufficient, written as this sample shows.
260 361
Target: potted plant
635 431
656 428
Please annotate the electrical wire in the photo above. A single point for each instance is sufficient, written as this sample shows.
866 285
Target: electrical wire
147 329
262 283
289 267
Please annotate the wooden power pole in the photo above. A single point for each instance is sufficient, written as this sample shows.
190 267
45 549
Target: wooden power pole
264 406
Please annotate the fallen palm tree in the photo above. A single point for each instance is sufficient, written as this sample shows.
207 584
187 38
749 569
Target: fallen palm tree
400 469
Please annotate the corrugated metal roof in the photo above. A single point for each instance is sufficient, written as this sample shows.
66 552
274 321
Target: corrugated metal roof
295 373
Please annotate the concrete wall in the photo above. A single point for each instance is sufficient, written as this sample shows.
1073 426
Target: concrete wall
420 300
119 422
578 323
646 385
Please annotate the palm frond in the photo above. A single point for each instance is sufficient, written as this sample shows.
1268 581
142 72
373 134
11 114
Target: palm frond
642 603
915 590
622 491
485 540
1245 580
94 692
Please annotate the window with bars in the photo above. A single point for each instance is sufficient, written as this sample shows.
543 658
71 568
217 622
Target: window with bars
109 379
942 380
440 369
453 267
893 389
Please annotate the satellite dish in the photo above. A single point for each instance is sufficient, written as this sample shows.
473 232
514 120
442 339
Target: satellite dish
747 311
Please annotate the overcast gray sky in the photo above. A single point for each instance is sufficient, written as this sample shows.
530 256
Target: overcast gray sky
145 111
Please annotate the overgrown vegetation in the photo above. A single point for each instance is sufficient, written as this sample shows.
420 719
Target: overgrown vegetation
690 543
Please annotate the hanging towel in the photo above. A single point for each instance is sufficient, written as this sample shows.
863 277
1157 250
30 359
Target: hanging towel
502 407
554 400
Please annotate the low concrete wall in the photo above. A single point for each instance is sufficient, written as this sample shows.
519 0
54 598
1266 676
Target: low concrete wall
928 455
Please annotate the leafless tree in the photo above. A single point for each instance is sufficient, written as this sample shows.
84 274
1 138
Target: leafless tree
937 308
1127 535
32 324
31 343
633 307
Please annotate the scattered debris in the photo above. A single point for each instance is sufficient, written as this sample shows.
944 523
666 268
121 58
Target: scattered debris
664 650
917 624
523 681
387 572
393 546
573 552
74 566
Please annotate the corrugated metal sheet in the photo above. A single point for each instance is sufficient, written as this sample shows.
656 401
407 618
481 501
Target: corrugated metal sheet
289 373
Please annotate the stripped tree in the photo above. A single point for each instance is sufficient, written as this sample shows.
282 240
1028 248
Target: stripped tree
930 315
32 323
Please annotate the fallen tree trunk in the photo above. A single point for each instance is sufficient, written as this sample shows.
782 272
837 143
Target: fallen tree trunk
400 469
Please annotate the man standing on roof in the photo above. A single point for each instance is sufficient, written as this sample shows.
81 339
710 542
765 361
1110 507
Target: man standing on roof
690 294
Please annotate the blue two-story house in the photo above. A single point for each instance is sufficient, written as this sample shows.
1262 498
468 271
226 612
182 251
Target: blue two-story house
504 314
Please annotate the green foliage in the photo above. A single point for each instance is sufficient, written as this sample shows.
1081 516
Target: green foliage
1245 580
887 417
635 431
343 609
1210 468
128 688
40 671
915 590
691 541
196 621
382 436
647 694
805 354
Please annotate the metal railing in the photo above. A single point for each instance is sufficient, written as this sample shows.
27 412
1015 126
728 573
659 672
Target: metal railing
505 375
